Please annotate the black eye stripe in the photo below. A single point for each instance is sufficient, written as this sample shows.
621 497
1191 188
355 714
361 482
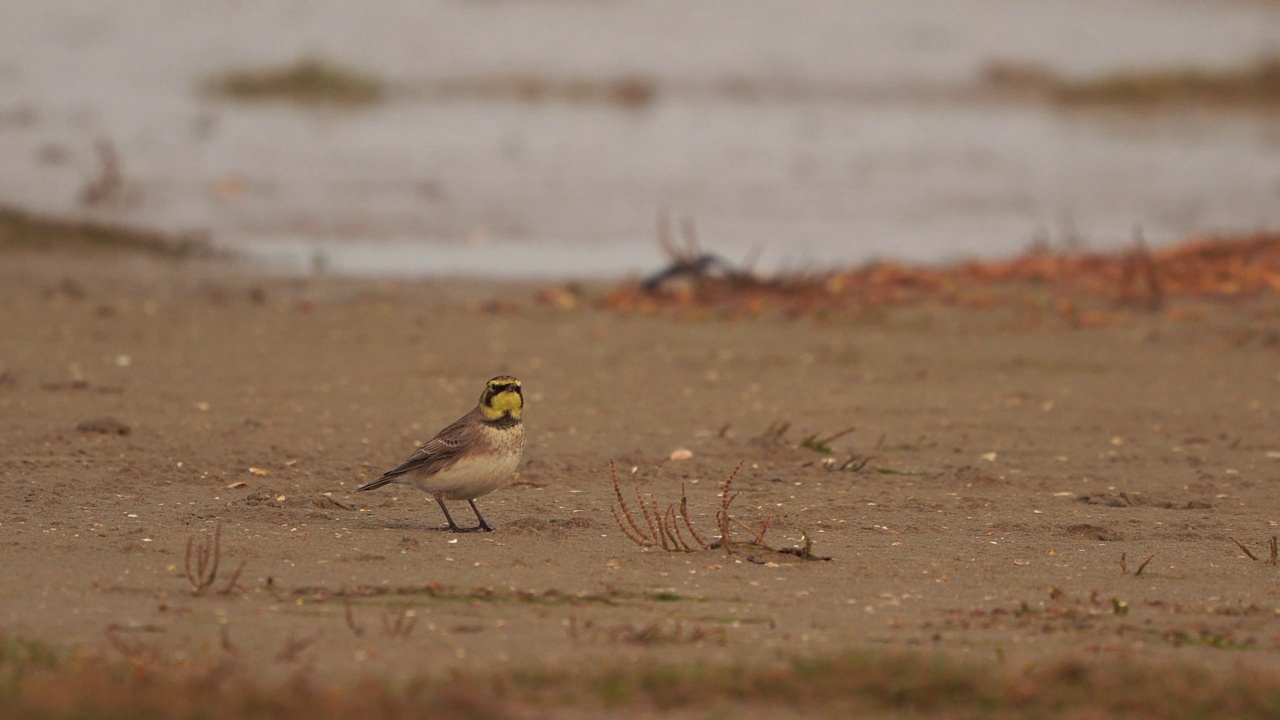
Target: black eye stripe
498 389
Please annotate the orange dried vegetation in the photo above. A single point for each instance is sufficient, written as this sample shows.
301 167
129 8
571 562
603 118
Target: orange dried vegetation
1200 267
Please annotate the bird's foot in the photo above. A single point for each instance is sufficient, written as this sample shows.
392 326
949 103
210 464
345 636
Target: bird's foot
482 527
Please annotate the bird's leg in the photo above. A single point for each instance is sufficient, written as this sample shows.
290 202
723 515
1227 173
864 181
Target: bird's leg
483 525
453 527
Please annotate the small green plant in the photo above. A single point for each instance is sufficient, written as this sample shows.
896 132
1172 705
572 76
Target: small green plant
823 445
308 81
1254 83
24 229
27 652
892 471
1259 83
630 92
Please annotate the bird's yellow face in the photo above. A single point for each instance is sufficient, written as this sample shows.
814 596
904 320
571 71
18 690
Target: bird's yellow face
502 398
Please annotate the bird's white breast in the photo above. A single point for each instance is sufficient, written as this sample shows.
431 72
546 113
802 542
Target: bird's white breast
469 478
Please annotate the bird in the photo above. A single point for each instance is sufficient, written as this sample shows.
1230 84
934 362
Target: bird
471 457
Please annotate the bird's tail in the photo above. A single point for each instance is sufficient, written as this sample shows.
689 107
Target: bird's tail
377 483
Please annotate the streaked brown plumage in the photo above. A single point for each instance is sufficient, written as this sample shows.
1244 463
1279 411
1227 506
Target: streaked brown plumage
471 457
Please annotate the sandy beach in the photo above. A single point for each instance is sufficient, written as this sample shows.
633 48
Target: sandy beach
1008 492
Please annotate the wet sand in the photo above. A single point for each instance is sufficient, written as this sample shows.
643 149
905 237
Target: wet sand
1017 476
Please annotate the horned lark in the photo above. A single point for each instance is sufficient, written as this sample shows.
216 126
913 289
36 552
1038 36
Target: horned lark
472 457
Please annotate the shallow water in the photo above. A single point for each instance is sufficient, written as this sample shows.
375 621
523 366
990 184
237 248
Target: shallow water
883 144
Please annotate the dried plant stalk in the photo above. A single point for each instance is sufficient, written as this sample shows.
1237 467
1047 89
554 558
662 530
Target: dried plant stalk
1243 548
648 519
631 529
673 524
1143 566
350 618
207 557
200 564
233 581
684 514
661 528
723 517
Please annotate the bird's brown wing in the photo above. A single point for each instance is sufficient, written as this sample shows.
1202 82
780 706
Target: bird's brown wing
441 451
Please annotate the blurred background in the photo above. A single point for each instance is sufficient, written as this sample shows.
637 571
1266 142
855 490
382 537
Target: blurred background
547 138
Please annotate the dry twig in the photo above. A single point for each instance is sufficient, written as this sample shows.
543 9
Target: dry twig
1246 550
1273 550
823 445
1143 566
